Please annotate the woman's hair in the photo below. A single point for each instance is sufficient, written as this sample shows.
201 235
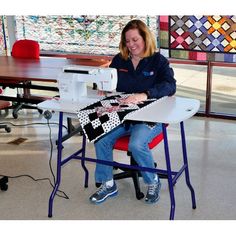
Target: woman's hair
146 34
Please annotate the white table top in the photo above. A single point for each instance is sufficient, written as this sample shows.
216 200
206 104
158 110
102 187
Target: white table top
166 110
67 107
58 105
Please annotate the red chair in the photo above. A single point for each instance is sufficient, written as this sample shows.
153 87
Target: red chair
122 145
26 49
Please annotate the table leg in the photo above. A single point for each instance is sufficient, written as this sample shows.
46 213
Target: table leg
83 162
59 156
169 173
187 178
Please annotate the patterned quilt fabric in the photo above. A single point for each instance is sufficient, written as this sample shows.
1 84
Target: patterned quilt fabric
101 117
211 38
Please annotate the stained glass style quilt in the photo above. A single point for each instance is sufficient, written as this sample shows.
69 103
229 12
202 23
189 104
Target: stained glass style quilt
210 38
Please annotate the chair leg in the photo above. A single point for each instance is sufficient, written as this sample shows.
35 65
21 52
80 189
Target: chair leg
135 177
7 128
134 174
15 110
123 175
24 106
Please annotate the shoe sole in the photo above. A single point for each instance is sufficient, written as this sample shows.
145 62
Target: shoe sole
113 194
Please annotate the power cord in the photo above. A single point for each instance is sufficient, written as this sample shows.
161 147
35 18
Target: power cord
48 116
29 124
40 179
51 148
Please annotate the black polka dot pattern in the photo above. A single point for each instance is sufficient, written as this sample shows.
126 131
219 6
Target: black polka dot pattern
101 117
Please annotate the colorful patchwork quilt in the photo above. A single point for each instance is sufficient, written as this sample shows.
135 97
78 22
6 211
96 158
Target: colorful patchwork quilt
101 117
211 38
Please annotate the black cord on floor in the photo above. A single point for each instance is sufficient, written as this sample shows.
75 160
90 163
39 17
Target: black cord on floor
34 179
29 124
50 158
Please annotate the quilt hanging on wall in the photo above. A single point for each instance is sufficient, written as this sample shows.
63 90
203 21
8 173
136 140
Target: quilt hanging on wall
211 38
93 34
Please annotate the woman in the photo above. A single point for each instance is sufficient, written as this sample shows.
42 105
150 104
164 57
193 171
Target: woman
144 73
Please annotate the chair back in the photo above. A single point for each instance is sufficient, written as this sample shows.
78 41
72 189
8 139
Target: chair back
26 48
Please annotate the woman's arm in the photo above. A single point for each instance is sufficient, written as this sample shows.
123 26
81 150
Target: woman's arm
165 84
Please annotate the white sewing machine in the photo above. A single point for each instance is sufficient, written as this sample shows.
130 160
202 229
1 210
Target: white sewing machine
73 80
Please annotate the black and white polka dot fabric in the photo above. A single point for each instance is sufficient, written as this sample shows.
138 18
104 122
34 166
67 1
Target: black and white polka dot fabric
101 117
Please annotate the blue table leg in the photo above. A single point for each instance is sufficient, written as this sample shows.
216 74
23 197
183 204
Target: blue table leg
83 162
59 156
185 159
169 173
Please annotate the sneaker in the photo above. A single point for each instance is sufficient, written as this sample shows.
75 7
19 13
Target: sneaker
153 192
103 193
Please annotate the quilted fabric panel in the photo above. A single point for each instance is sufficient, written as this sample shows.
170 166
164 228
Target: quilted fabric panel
211 38
101 117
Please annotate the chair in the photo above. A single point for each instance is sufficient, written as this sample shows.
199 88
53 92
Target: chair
26 49
122 145
5 105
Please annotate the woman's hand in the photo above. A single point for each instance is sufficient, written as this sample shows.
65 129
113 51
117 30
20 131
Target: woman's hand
135 98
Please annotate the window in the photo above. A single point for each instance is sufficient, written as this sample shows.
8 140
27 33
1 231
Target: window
223 96
3 36
78 34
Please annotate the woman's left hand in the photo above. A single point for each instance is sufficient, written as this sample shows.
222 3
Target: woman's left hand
135 98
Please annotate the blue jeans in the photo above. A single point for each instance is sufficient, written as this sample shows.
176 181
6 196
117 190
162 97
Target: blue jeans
140 136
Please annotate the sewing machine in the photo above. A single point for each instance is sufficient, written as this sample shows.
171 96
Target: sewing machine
73 80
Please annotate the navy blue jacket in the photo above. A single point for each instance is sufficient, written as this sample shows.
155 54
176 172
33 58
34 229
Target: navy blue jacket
152 75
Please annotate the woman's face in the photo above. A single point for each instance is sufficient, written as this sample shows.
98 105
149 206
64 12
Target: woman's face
135 43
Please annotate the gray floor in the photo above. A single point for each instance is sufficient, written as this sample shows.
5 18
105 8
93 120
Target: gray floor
211 153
